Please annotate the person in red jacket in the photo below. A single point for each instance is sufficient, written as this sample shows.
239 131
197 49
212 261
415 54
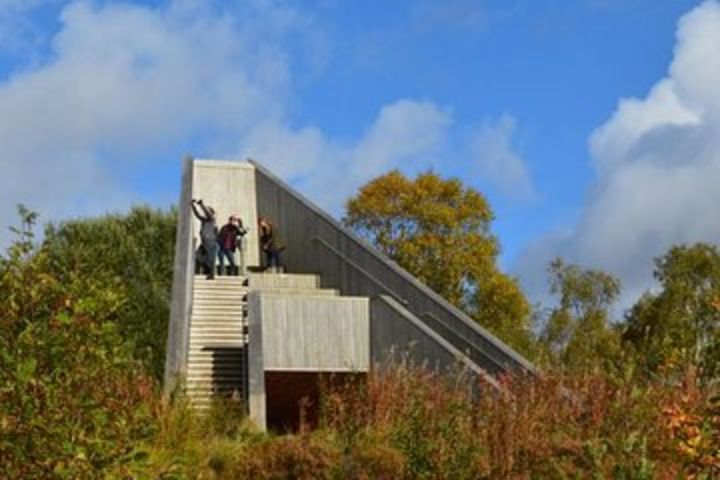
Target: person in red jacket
230 235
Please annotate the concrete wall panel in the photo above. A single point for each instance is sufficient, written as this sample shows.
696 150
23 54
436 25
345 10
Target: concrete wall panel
228 187
397 335
312 333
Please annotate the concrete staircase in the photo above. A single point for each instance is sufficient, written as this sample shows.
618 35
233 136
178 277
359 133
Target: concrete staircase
217 354
218 339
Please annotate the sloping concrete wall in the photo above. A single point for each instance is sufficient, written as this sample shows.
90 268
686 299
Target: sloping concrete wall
397 335
183 267
319 244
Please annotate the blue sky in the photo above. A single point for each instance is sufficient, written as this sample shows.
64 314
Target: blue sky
590 125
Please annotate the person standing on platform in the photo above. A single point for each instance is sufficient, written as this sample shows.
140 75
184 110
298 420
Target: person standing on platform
271 245
230 234
208 235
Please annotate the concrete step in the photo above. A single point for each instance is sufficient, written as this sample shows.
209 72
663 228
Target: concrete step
216 327
230 335
283 280
210 388
218 287
225 326
219 335
228 351
215 379
216 307
212 367
227 337
228 375
219 352
323 292
221 280
208 358
221 277
209 339
219 349
234 298
219 341
220 320
220 294
233 369
208 374
217 316
215 363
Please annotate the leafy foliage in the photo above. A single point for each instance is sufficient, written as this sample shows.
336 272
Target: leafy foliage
82 329
578 333
680 325
439 230
131 255
72 395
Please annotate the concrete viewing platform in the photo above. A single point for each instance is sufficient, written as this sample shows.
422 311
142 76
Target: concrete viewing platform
343 308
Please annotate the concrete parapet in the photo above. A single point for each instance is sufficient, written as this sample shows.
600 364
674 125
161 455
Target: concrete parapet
182 289
396 333
308 332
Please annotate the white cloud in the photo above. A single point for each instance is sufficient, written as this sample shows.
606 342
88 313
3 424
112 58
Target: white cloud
497 161
125 83
406 133
658 163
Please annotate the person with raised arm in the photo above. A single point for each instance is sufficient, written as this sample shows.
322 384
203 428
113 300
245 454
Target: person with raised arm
208 235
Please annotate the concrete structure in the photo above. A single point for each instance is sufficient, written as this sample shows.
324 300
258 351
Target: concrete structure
304 333
345 308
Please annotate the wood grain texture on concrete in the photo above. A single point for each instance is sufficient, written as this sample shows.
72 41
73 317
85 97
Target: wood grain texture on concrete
228 187
312 333
396 334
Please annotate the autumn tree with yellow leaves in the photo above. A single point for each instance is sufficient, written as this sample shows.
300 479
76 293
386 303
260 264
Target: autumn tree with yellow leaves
439 231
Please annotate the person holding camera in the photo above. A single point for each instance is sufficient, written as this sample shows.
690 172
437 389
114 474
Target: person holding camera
208 235
230 236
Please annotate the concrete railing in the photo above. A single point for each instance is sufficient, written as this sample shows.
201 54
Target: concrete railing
393 328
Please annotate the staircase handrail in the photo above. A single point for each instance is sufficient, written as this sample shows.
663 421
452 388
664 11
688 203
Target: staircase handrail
360 269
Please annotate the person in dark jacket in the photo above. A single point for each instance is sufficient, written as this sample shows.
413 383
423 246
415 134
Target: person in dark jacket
271 244
208 235
230 234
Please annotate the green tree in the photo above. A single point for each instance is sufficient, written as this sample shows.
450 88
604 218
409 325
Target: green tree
578 332
680 324
72 396
439 230
131 254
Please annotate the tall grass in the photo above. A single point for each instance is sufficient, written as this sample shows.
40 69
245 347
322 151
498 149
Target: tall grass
408 423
